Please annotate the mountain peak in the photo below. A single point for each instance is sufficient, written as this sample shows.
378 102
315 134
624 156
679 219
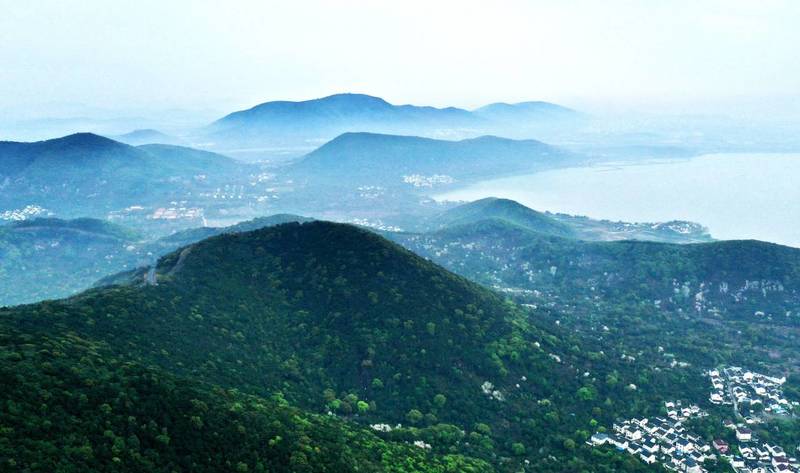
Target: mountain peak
84 139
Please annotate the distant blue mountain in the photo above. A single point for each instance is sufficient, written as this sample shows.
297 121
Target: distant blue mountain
84 169
528 112
146 136
370 158
342 111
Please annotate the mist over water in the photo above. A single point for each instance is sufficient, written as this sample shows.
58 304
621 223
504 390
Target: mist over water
737 196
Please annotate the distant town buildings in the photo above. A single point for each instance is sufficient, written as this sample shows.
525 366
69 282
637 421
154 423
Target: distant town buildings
29 211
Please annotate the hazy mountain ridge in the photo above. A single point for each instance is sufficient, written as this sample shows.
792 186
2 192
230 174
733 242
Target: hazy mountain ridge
145 136
86 174
530 113
392 160
291 126
50 258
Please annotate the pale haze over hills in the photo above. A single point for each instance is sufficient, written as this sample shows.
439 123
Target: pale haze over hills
732 57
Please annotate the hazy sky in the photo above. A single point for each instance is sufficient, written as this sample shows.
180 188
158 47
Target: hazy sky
232 54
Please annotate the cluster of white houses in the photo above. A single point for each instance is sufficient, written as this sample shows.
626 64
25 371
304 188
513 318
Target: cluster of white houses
660 440
753 456
667 441
746 389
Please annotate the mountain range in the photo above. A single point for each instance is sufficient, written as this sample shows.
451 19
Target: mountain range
47 258
293 127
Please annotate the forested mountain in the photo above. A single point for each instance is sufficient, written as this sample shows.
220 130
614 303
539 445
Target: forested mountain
52 258
582 228
72 405
84 174
322 316
653 294
411 161
502 209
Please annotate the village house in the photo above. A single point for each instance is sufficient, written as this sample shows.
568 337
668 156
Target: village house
743 434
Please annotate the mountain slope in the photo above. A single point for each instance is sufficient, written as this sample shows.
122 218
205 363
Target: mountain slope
501 251
49 258
640 295
71 404
390 160
338 319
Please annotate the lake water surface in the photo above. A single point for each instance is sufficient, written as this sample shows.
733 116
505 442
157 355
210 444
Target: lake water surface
735 195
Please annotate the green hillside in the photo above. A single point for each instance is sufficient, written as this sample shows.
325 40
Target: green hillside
331 318
641 294
582 228
504 209
71 405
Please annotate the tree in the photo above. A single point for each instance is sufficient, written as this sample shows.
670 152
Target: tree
587 393
518 449
414 416
439 400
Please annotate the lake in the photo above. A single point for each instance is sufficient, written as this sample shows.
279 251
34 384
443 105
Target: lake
736 196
